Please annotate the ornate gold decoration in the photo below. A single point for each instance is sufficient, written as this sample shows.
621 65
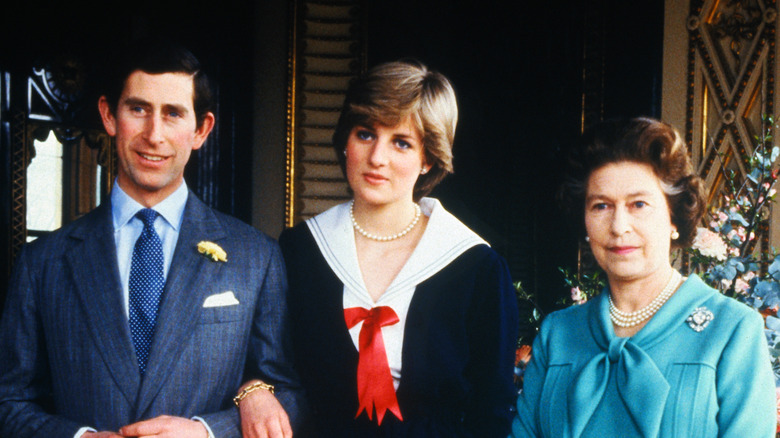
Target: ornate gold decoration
731 85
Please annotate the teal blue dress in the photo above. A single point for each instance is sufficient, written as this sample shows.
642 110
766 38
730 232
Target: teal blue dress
668 380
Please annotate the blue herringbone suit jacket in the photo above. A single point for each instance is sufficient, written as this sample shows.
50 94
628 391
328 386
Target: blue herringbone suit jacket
66 356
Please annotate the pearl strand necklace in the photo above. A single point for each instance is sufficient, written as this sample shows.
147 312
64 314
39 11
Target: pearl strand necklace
366 234
632 319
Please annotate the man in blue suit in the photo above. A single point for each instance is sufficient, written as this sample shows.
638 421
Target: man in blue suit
143 317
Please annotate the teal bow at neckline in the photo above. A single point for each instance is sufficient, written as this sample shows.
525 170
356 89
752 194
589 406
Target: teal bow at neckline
640 384
642 387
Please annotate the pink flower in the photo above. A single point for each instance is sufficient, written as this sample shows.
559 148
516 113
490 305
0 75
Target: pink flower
577 296
741 286
722 216
771 193
749 276
709 244
726 283
777 393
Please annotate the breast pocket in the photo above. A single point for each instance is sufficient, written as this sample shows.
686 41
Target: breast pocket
222 314
552 405
692 405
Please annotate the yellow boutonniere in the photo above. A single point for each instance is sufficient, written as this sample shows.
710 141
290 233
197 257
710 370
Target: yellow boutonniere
212 250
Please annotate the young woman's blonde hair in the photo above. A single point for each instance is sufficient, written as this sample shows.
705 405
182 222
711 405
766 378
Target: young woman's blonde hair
391 92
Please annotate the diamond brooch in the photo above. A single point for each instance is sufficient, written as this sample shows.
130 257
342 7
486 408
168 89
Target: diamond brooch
699 319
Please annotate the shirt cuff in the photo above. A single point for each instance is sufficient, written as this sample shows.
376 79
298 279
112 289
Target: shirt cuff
82 431
203 422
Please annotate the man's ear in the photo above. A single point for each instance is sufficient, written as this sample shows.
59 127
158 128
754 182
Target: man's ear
203 131
109 121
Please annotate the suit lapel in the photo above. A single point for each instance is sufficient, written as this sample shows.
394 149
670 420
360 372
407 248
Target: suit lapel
92 260
182 297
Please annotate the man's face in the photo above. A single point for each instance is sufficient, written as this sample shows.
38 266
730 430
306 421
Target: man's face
156 131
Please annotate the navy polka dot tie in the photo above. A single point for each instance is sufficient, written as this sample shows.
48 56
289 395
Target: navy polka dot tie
146 286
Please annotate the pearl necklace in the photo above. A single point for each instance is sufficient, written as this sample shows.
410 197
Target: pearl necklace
366 234
632 319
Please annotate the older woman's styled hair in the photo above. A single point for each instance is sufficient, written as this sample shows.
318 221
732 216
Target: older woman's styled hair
639 140
391 92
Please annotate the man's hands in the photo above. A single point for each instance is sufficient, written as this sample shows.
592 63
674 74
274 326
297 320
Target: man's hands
162 427
262 416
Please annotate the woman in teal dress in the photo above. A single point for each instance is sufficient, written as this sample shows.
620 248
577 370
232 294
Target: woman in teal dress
656 354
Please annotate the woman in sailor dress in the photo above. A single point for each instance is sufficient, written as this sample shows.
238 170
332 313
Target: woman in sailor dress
403 320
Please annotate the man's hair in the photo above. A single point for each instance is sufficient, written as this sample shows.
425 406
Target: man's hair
159 56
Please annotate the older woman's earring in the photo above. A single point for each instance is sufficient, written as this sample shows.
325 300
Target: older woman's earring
675 235
587 238
345 152
423 171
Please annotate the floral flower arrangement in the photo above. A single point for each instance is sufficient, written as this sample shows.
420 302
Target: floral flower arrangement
727 254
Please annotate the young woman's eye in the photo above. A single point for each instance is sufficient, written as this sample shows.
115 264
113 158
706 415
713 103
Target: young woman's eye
599 206
364 135
640 204
174 114
403 144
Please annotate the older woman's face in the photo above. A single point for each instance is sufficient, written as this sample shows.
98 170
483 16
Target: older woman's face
628 221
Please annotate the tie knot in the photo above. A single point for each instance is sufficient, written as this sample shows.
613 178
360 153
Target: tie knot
147 215
372 318
616 348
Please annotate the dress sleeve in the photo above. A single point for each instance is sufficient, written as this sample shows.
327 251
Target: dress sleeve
493 339
526 422
745 384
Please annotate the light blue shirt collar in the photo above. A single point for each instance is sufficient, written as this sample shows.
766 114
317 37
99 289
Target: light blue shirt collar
124 208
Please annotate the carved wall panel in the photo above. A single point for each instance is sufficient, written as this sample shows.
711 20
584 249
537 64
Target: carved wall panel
730 85
55 103
326 52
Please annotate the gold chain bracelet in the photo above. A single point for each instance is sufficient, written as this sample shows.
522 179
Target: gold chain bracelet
244 392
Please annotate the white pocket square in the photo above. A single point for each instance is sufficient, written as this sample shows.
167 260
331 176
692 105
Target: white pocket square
221 300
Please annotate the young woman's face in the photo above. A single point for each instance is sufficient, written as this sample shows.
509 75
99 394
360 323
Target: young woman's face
384 162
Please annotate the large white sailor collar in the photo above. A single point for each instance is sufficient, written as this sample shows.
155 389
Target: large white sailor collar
445 239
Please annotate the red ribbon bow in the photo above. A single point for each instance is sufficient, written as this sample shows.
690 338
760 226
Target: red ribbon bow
374 381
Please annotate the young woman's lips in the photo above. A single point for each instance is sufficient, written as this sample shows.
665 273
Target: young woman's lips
622 250
374 178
